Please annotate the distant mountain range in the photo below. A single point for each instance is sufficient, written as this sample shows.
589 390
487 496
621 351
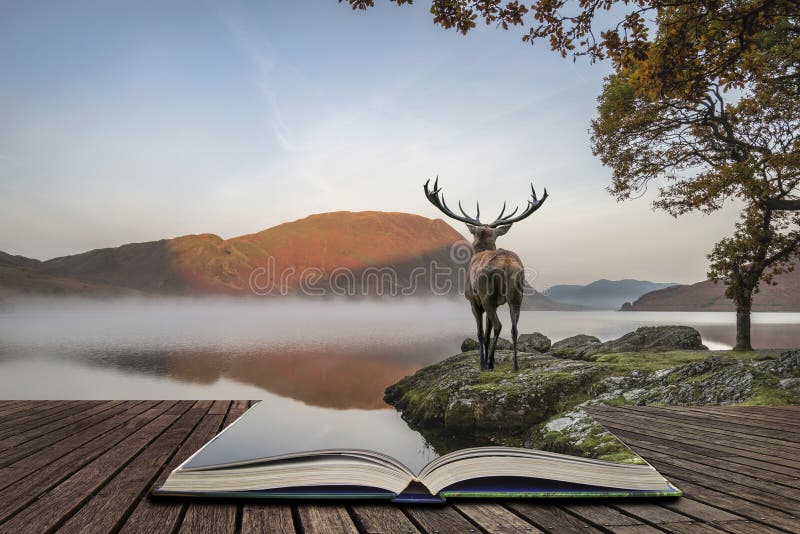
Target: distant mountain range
357 253
708 296
603 294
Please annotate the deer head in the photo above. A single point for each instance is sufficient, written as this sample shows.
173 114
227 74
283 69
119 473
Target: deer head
485 234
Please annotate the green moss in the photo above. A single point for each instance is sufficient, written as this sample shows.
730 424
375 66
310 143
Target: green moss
767 392
454 404
593 442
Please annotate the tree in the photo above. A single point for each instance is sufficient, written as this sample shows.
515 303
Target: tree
704 151
698 40
705 99
762 247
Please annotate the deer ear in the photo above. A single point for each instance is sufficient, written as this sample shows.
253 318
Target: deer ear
472 228
501 230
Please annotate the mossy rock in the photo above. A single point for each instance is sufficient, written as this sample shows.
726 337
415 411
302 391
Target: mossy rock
455 395
454 404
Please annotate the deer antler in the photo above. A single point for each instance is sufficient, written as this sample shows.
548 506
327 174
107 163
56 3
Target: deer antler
533 205
438 200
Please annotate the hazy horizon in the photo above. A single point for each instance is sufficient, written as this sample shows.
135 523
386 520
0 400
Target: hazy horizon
132 123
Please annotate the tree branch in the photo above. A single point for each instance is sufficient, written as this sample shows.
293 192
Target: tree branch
783 204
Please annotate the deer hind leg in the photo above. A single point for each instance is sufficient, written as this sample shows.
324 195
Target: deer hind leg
514 298
487 338
491 314
514 309
477 312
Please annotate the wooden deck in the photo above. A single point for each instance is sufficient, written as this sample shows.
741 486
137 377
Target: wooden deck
88 466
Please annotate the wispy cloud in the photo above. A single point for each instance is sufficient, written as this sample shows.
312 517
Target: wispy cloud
259 51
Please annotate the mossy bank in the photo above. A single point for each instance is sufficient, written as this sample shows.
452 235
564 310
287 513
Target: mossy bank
453 401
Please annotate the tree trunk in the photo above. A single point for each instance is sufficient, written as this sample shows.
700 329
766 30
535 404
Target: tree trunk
744 302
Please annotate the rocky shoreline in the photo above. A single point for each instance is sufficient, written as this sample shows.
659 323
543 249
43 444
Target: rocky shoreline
452 402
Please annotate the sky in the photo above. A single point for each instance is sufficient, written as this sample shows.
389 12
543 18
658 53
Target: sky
134 121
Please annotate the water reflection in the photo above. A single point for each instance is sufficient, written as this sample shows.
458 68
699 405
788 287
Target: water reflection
330 377
337 355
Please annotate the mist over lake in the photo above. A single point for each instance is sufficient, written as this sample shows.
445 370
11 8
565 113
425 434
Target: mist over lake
319 353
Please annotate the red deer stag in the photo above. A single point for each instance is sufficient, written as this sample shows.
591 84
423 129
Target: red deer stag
494 276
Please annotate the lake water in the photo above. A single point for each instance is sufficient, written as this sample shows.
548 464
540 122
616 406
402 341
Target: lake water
308 359
321 353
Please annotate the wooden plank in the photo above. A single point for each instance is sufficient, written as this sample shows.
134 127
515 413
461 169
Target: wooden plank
107 509
653 513
25 444
767 411
710 420
749 423
52 508
692 528
739 506
13 409
765 467
768 419
733 440
494 518
634 529
700 511
383 518
45 427
47 413
785 494
737 464
551 518
442 519
724 484
53 452
87 488
325 519
720 452
601 515
220 407
16 496
747 527
716 447
154 515
789 409
668 450
779 439
30 408
272 518
212 517
216 517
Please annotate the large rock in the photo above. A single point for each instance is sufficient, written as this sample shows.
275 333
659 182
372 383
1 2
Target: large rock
535 342
787 365
456 396
654 338
454 404
502 344
469 344
575 347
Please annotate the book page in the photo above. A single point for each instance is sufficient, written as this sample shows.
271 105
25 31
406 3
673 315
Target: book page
270 429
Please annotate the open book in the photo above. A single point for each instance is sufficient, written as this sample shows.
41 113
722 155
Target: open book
243 461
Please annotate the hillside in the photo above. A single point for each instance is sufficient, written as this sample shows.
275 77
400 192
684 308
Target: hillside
353 253
277 258
708 296
20 275
603 294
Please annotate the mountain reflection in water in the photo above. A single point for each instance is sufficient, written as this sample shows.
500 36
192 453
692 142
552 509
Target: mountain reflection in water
327 354
334 377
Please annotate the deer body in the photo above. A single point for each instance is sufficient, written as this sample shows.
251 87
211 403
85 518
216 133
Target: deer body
494 276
